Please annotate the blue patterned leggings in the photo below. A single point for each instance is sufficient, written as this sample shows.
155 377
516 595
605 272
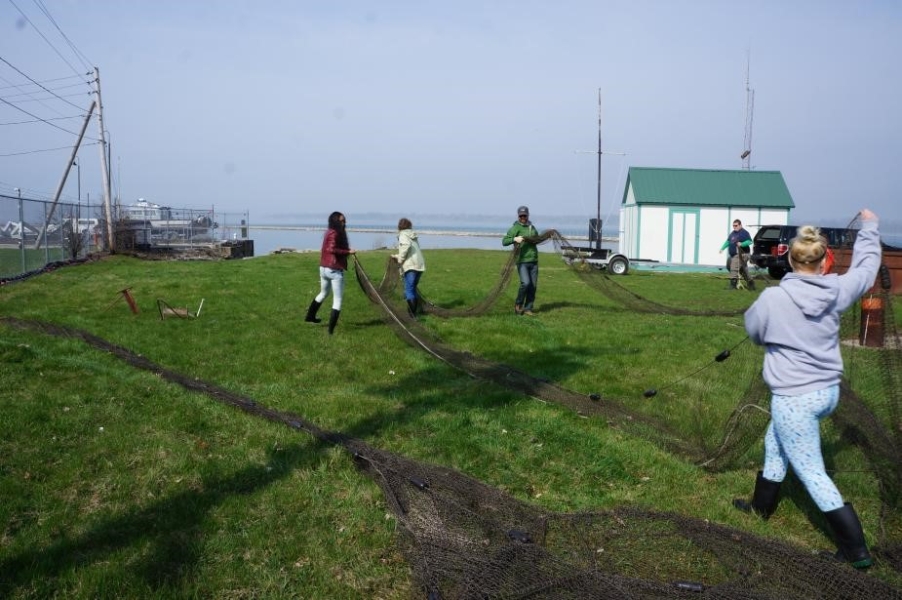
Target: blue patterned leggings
794 438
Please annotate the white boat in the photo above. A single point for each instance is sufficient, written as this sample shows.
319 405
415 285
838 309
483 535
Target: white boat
154 224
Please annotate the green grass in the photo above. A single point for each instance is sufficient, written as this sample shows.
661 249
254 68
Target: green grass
11 259
116 483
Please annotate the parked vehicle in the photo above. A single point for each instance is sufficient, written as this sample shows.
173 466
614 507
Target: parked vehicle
770 246
770 249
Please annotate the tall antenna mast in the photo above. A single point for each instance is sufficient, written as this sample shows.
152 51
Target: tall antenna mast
595 224
746 155
597 227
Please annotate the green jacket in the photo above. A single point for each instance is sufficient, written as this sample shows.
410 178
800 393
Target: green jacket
528 250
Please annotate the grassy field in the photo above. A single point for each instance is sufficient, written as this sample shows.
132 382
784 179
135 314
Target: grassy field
116 483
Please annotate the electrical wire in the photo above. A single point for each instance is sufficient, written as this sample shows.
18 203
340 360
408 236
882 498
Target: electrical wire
20 72
46 12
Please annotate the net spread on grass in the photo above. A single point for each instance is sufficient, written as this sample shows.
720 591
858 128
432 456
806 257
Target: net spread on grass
868 415
465 539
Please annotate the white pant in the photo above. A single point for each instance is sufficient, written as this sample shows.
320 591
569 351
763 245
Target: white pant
331 280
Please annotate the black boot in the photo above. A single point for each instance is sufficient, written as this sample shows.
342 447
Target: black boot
732 284
750 283
333 319
849 537
311 312
764 500
412 308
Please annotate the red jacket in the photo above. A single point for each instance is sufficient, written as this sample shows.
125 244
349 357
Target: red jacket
332 256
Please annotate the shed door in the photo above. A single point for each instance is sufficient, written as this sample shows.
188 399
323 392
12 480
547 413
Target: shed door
683 237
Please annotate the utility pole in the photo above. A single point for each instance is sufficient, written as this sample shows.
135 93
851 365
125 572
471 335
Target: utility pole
78 166
111 242
62 183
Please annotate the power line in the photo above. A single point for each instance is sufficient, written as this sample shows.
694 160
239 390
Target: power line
84 59
46 150
30 98
40 120
33 116
49 43
19 86
17 70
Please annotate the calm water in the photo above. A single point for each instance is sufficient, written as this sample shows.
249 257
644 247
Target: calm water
369 236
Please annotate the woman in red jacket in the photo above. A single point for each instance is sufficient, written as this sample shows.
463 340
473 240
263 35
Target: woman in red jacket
333 262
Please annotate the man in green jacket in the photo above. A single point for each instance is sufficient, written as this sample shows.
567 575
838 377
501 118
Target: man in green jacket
739 243
520 233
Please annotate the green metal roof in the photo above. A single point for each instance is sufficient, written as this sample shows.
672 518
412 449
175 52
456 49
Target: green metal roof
705 187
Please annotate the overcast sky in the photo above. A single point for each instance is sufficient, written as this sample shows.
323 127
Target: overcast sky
461 107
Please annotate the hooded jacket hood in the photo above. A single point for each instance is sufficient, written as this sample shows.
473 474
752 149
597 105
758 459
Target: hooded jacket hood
815 295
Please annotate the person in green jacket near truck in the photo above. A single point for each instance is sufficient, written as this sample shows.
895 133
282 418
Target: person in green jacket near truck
520 233
739 244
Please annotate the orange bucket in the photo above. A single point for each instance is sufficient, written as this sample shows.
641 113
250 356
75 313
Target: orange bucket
870 332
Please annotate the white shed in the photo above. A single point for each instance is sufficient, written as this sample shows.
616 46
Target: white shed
684 215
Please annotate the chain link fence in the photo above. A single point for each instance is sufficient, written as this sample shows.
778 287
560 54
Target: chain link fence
35 233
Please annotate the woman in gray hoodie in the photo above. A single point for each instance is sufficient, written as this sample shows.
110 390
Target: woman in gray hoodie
410 257
798 324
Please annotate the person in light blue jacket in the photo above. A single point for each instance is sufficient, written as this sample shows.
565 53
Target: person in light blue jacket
798 324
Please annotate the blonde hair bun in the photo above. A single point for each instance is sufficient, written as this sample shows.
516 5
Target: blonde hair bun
809 246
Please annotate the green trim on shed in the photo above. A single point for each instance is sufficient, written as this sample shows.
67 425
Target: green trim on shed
708 188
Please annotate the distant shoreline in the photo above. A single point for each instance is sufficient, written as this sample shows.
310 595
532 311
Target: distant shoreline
392 231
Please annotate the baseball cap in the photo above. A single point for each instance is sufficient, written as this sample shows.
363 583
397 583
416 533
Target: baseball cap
523 210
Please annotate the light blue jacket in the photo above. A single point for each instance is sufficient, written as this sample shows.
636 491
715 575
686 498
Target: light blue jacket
798 321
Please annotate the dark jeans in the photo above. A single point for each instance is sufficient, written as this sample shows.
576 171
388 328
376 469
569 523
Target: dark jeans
411 281
529 281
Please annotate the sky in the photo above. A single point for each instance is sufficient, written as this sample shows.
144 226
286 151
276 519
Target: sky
465 108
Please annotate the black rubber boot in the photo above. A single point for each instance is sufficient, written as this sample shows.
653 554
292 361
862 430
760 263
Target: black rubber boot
733 284
412 308
764 500
849 537
311 312
750 283
333 319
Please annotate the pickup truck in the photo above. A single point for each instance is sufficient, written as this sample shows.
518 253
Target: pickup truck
770 246
770 250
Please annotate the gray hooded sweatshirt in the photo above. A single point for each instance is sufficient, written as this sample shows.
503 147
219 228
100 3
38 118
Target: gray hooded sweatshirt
798 322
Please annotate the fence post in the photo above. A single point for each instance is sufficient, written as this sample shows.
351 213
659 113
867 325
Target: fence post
21 229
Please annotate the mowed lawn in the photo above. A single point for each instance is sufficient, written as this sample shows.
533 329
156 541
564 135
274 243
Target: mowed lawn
117 483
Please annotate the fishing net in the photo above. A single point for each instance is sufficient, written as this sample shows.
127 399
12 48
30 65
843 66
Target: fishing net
465 539
868 415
